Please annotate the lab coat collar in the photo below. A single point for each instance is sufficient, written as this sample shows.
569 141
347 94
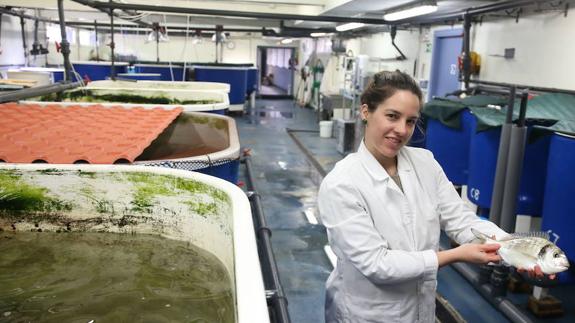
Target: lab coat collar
375 168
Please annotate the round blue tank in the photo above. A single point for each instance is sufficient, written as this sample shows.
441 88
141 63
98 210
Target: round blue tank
236 77
450 146
141 76
164 71
98 70
558 205
252 84
483 150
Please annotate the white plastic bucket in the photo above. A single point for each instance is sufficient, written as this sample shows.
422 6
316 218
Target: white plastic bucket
325 129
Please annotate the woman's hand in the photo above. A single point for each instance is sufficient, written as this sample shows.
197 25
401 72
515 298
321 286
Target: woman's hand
535 272
473 253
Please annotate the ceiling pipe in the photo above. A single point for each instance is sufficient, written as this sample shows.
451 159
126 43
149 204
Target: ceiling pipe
12 12
92 4
211 12
473 11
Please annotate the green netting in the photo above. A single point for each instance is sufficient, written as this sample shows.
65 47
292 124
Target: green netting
547 112
447 110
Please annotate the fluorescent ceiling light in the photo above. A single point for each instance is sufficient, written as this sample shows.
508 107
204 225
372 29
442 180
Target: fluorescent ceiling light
318 34
349 26
287 41
419 10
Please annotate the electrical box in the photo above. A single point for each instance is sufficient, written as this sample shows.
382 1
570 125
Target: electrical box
344 134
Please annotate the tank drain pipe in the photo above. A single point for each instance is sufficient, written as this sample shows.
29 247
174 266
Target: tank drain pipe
64 44
501 303
514 168
502 158
275 295
36 91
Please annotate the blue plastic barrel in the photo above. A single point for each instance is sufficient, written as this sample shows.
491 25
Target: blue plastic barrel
98 70
252 84
164 71
558 204
141 76
236 77
450 146
483 150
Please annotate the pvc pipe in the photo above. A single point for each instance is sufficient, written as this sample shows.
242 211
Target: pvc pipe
65 45
37 91
502 159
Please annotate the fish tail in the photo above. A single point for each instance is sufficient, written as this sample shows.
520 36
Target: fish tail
481 236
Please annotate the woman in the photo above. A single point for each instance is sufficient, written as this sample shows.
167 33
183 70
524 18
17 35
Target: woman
384 207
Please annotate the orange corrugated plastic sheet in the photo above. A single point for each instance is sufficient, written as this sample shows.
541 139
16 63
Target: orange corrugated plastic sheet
75 134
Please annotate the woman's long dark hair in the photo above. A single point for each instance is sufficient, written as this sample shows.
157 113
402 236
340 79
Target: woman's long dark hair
384 85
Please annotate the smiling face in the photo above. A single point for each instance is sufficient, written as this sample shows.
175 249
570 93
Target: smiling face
390 126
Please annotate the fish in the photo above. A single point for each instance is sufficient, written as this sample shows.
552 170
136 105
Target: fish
526 250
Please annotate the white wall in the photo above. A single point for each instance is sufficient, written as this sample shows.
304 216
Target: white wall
11 42
544 50
176 49
382 53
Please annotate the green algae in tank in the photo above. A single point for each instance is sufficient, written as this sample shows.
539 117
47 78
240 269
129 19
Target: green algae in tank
107 277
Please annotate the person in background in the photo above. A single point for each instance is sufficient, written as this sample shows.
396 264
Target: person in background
383 208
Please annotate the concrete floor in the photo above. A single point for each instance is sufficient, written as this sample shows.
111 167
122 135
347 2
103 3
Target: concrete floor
288 186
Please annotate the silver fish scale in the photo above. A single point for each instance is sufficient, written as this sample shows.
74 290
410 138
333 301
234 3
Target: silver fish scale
528 246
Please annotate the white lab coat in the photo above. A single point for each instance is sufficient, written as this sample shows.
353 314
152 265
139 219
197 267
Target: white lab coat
386 240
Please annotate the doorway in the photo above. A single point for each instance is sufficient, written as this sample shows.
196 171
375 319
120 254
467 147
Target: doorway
276 77
444 68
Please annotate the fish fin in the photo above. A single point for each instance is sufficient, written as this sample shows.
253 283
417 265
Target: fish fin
519 235
481 236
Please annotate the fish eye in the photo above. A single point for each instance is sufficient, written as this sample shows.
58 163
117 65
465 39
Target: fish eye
556 255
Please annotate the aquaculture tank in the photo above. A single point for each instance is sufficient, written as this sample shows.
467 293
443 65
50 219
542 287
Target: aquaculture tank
95 243
93 70
96 134
189 100
204 86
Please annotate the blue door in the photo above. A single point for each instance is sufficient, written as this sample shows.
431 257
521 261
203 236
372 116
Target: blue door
444 70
